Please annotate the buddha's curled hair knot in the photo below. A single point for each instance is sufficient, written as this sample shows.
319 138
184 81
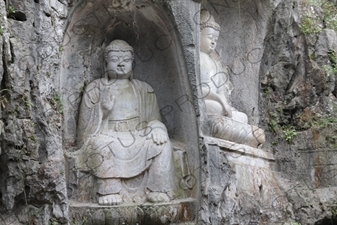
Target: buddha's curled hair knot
117 46
207 20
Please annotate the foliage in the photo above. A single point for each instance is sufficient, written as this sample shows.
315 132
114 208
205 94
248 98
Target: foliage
324 121
312 22
332 57
26 101
333 210
53 222
273 125
296 223
310 119
329 69
310 25
11 9
289 133
332 69
330 15
58 103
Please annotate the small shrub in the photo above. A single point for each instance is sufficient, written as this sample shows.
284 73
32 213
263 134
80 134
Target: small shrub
58 103
310 25
11 9
289 133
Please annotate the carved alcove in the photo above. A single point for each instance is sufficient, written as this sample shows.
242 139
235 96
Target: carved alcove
237 171
240 46
159 61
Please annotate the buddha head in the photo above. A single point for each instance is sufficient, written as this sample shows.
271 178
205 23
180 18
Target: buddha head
118 57
209 32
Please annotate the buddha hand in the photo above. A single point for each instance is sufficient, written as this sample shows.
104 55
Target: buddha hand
159 136
108 99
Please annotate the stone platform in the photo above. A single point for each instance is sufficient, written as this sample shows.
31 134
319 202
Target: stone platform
236 177
177 212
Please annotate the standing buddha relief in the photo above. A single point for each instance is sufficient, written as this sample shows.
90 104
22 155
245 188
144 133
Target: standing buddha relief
223 120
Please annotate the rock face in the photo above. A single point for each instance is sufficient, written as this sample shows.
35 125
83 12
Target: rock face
284 80
33 184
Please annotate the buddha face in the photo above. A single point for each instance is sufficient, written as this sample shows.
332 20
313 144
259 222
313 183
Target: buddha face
208 39
119 64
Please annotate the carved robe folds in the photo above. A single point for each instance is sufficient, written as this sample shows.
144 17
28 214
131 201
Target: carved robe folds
223 120
121 153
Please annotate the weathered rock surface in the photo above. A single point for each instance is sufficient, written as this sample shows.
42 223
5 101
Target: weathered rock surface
33 188
298 103
280 83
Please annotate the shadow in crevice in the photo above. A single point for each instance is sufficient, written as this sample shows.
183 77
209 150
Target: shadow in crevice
17 15
327 221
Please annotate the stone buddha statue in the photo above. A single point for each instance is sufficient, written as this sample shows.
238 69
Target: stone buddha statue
224 120
125 145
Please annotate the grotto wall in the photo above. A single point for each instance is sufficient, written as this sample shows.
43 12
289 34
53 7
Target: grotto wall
33 188
281 60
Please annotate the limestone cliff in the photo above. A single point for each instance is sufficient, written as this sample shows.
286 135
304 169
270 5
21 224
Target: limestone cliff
283 51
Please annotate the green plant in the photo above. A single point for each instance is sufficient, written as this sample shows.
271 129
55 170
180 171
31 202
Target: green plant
333 210
324 121
333 140
33 138
289 133
26 101
313 56
309 25
333 60
274 143
329 69
312 23
267 91
11 9
330 14
332 57
58 103
72 222
36 212
296 223
272 125
53 222
85 220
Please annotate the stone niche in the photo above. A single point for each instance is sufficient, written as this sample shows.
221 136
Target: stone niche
159 61
238 184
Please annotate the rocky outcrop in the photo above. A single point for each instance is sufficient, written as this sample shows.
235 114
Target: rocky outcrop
290 72
298 102
33 188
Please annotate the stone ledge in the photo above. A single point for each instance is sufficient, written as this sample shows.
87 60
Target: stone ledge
176 212
240 149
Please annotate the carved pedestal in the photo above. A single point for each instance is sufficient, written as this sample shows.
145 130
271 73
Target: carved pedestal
182 210
237 177
176 213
